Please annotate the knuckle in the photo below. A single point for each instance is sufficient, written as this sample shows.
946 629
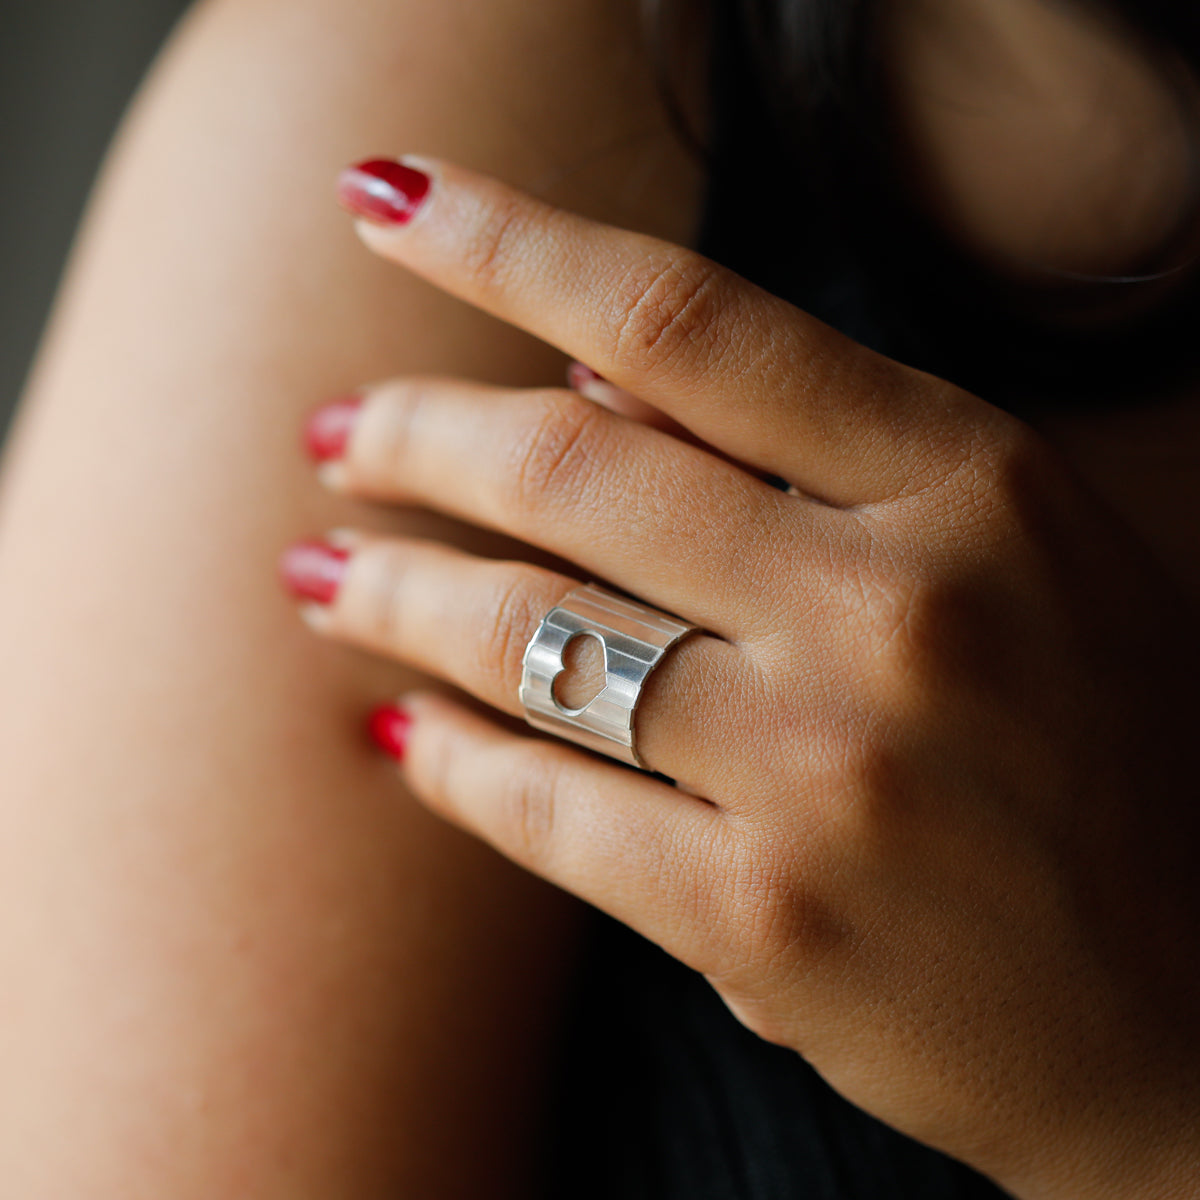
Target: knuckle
786 912
933 616
892 617
667 313
902 625
788 926
555 452
884 598
512 617
528 809
1026 473
1005 476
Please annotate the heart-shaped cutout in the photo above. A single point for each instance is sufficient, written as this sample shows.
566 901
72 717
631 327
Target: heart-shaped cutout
584 673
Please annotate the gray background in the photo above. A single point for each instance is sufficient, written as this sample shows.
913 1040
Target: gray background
67 70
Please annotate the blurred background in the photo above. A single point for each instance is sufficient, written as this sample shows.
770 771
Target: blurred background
67 70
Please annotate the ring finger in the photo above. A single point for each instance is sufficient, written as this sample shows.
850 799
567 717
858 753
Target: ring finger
468 620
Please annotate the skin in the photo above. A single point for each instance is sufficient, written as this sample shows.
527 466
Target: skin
236 962
936 823
247 993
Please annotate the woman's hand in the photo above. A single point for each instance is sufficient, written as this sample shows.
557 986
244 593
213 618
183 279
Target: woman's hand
938 810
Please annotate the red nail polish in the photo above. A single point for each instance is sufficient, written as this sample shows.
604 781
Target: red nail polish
389 728
328 429
579 376
383 190
313 570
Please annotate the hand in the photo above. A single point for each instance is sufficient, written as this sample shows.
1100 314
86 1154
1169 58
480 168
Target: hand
939 810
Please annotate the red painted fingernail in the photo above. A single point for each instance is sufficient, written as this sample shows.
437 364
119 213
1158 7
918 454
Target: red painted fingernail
389 728
328 429
383 190
313 570
580 375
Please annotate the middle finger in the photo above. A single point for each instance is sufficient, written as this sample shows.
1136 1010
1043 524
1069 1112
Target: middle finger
669 522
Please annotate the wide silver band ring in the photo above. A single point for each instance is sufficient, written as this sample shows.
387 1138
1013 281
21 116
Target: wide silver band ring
635 639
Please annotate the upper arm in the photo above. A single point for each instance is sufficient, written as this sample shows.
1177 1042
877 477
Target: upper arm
238 899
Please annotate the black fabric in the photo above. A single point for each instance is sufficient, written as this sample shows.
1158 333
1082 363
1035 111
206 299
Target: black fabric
665 1096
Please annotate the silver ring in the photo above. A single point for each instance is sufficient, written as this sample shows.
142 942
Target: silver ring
635 639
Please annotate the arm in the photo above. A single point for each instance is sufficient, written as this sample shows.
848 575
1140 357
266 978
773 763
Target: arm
232 964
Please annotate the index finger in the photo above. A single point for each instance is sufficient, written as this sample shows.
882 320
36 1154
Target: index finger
745 371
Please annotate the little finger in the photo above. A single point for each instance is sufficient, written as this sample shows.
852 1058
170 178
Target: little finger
646 853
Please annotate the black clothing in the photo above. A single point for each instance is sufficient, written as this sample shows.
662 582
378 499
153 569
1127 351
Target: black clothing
665 1096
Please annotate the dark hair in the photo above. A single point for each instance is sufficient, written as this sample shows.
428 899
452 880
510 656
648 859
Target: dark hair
804 198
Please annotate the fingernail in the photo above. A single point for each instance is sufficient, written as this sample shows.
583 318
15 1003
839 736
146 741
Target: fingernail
389 728
383 190
327 430
579 376
313 570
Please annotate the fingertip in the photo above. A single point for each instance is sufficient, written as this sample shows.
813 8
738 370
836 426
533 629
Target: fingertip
581 376
317 617
332 476
389 727
326 432
312 570
430 707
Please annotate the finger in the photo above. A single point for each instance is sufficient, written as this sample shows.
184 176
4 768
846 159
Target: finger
665 521
755 377
631 845
468 620
597 389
